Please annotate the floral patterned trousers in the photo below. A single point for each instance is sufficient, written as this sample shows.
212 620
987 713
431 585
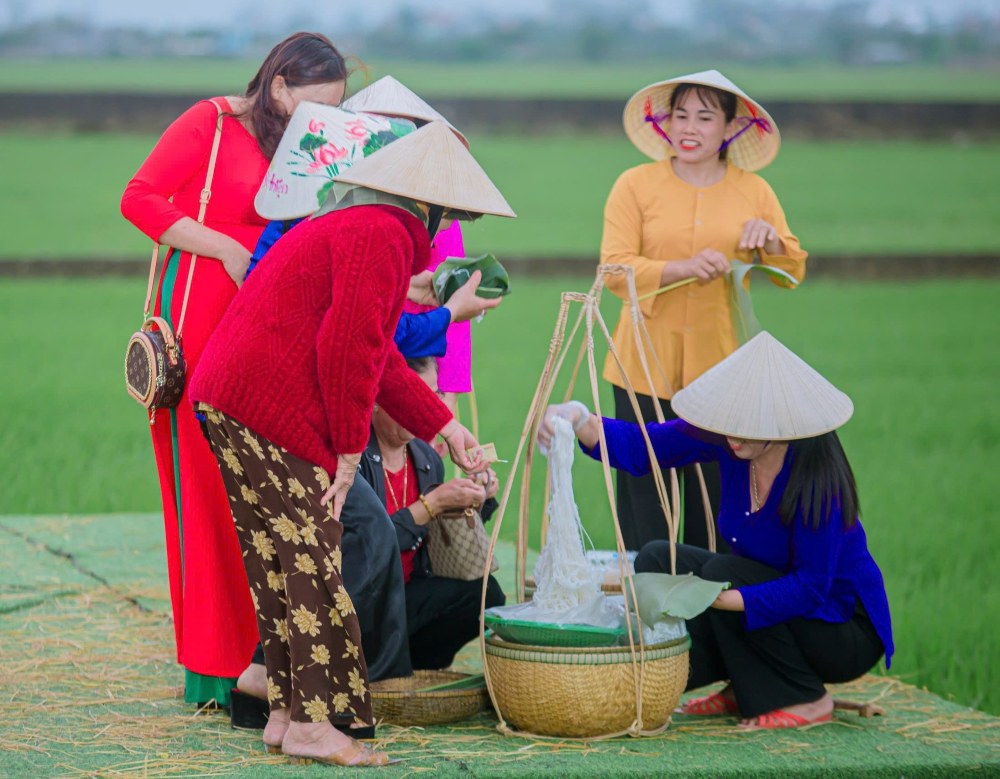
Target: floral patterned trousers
291 551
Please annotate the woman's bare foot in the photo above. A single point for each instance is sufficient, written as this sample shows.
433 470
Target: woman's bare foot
253 681
314 739
277 726
797 715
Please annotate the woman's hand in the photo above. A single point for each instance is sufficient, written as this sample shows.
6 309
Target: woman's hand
459 493
707 265
574 412
758 234
235 259
347 468
489 480
421 289
465 304
459 439
729 600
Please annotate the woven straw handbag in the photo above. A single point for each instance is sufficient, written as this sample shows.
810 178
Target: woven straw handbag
154 362
458 546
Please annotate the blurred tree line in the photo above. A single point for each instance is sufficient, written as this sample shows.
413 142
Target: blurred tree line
847 32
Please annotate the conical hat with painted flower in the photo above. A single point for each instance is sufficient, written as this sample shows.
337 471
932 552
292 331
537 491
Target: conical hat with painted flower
758 138
320 142
389 97
765 392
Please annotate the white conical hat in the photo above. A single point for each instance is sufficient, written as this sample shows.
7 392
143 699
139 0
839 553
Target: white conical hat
389 97
430 165
763 391
754 149
319 142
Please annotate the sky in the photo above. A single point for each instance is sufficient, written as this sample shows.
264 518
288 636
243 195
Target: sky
192 14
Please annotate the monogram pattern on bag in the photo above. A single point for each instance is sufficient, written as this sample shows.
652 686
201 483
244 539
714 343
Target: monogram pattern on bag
457 548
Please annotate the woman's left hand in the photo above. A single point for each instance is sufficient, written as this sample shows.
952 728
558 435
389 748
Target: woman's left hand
490 482
729 600
347 467
758 234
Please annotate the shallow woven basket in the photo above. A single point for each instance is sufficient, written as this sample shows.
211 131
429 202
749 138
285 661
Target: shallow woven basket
585 692
402 702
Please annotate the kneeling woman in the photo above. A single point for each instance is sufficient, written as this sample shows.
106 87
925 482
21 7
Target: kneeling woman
442 614
807 606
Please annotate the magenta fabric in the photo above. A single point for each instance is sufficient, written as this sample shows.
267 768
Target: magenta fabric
455 368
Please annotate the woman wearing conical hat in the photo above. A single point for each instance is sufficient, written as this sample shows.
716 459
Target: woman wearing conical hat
288 382
388 97
296 184
807 604
686 215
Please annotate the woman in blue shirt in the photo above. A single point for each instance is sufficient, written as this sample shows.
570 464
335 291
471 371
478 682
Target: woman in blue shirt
807 605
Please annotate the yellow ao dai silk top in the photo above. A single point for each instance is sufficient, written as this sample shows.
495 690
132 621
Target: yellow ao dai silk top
653 217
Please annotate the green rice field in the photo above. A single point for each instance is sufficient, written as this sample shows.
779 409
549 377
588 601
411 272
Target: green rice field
919 360
820 81
850 197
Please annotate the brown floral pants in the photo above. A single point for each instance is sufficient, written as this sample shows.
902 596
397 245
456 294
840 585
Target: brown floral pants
291 551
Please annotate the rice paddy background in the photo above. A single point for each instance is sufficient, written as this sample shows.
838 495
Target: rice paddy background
61 193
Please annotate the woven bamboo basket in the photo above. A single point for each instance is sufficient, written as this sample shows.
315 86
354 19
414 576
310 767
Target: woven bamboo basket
585 693
403 701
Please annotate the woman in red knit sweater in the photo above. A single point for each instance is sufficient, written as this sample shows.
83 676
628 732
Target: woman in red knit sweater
214 621
288 382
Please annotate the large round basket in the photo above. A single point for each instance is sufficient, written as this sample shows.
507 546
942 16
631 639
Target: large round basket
405 701
584 692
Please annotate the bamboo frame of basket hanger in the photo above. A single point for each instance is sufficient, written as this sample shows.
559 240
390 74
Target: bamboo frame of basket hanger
558 349
640 331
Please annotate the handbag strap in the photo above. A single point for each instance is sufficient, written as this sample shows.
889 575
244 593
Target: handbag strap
206 195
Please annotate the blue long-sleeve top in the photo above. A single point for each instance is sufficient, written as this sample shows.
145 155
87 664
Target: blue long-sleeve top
417 335
824 571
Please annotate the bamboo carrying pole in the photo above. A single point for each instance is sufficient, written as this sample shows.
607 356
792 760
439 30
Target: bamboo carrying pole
589 315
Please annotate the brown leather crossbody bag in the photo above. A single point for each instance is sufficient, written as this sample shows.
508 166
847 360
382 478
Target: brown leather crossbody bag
154 361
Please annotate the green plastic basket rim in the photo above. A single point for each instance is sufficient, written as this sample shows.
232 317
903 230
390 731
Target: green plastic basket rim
492 620
583 656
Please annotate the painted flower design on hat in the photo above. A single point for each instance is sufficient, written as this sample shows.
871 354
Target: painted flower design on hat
329 146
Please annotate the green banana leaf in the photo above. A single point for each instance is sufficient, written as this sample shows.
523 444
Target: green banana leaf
455 271
745 322
668 595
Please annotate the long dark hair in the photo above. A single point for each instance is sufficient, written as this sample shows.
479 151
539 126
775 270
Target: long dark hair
717 98
821 479
302 59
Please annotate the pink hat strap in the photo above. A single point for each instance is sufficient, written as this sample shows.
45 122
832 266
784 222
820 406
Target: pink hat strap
655 119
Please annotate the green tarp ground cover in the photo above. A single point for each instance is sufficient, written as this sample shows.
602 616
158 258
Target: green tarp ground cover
90 688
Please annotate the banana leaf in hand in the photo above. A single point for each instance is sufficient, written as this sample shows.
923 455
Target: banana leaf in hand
683 596
456 271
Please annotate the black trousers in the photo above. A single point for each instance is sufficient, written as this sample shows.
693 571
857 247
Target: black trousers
769 668
442 616
639 511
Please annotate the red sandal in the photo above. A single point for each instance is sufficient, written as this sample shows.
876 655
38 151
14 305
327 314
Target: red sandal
779 718
709 706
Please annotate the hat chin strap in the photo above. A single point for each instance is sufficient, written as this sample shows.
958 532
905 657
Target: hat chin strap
434 216
762 125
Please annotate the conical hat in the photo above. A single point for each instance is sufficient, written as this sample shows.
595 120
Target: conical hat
389 97
752 150
430 165
763 391
319 142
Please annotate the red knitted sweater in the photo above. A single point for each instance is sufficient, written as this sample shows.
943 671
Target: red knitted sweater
306 347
